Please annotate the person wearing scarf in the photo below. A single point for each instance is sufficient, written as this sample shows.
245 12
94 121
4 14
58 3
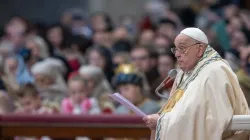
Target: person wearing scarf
205 95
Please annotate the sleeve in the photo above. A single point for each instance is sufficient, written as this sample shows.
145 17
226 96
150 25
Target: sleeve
203 113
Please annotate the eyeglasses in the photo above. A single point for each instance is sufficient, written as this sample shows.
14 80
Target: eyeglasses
182 50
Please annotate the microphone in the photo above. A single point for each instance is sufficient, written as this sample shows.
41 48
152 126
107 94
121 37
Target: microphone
167 83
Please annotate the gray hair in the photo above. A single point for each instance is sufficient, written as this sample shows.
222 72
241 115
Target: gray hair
53 68
101 83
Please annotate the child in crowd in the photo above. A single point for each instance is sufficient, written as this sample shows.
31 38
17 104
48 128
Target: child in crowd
78 101
29 101
130 84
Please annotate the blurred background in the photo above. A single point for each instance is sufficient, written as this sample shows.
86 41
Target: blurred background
65 57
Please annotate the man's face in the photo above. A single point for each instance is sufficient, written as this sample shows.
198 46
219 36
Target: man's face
140 57
188 52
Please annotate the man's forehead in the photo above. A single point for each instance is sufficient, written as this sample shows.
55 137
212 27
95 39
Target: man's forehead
182 39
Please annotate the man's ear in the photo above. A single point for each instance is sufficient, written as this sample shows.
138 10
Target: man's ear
201 50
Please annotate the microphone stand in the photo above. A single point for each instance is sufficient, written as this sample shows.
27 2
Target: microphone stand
161 86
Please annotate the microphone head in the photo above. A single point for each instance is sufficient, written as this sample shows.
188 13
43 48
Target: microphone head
172 73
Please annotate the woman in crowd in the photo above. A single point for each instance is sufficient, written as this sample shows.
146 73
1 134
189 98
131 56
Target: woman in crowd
101 57
97 86
49 80
57 37
16 74
38 47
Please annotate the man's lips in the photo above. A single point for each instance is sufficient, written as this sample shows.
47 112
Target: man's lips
179 61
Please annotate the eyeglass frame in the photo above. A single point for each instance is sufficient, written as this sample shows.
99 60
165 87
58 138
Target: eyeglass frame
185 50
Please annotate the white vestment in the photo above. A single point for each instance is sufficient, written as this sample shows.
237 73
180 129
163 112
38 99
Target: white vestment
201 105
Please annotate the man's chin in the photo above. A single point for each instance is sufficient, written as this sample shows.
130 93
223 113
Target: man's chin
182 68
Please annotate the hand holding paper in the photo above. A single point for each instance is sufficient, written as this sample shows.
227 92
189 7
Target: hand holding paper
119 98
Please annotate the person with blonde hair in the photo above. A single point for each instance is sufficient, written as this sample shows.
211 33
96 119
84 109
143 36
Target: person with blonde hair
15 74
97 86
97 83
37 45
38 49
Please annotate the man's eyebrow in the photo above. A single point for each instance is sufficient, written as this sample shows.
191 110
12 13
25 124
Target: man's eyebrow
182 44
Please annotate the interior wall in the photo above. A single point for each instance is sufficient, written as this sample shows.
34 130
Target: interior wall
48 11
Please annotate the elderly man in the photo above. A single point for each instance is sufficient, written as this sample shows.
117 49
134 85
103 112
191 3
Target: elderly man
205 95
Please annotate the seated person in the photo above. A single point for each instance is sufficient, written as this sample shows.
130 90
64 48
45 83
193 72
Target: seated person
78 101
6 105
129 83
29 101
49 80
98 87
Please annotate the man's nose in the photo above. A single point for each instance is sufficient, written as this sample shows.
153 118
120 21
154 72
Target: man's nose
177 54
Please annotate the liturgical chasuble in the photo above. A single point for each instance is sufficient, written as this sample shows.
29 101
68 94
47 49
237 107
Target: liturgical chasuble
202 103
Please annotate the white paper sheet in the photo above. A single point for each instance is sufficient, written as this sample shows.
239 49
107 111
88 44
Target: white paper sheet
119 98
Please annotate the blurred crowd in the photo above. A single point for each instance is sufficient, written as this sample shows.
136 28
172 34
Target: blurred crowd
72 66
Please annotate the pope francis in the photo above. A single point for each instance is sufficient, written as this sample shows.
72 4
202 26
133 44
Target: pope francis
205 95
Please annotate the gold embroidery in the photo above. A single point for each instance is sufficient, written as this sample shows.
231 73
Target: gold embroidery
174 99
